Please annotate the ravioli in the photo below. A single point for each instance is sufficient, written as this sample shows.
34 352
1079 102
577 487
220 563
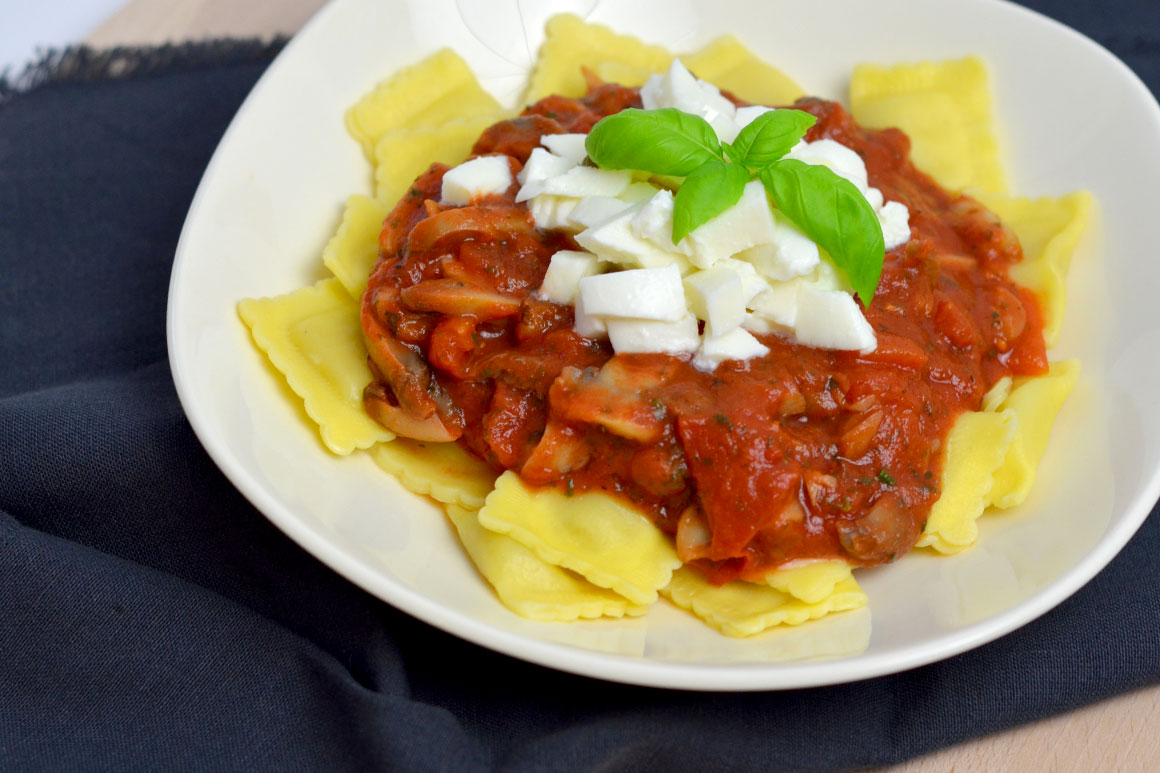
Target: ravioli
353 250
313 337
443 471
571 44
403 153
744 609
607 542
946 110
439 89
530 586
1049 228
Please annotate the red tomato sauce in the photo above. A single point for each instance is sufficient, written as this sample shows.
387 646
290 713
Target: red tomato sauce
803 453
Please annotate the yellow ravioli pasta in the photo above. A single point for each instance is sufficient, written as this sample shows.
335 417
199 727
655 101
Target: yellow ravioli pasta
571 44
744 609
442 471
439 89
1048 229
404 153
975 448
313 337
529 586
597 536
352 251
1035 403
731 66
946 110
811 582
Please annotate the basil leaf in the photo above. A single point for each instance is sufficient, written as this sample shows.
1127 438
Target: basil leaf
710 190
832 212
769 137
659 141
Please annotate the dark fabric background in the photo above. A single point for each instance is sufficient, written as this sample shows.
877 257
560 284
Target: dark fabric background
151 619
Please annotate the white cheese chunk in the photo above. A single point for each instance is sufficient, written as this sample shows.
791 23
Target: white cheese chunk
653 222
777 307
584 323
587 181
541 166
592 210
840 159
562 279
895 219
717 296
644 336
553 211
614 241
569 146
746 224
830 319
478 177
678 88
788 254
751 283
643 293
737 344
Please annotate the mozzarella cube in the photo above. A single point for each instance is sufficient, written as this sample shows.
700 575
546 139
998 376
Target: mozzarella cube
553 211
582 181
596 209
643 293
562 279
830 319
584 323
875 197
895 219
653 222
737 344
717 296
645 336
678 88
746 224
777 306
478 177
614 241
541 165
841 160
751 283
788 254
569 146
748 114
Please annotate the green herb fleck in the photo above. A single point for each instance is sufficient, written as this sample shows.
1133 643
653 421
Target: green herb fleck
723 420
885 478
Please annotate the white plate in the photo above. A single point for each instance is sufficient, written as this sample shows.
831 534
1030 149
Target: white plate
1074 117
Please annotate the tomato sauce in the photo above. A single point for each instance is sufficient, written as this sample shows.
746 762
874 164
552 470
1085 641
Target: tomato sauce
804 453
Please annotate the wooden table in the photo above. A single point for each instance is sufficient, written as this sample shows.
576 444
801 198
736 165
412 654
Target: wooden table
1122 734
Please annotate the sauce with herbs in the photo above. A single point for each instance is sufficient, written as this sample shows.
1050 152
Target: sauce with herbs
803 453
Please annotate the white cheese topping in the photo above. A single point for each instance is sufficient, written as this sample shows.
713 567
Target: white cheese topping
562 280
477 177
643 293
748 271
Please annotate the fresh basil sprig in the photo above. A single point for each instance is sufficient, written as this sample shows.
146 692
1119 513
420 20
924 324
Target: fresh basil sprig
825 206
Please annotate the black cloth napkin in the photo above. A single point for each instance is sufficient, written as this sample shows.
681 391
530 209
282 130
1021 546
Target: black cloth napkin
150 618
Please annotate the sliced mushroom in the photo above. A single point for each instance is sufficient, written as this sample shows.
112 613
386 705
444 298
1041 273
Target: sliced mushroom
376 401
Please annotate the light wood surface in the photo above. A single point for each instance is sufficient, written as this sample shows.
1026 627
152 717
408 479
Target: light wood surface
1122 734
